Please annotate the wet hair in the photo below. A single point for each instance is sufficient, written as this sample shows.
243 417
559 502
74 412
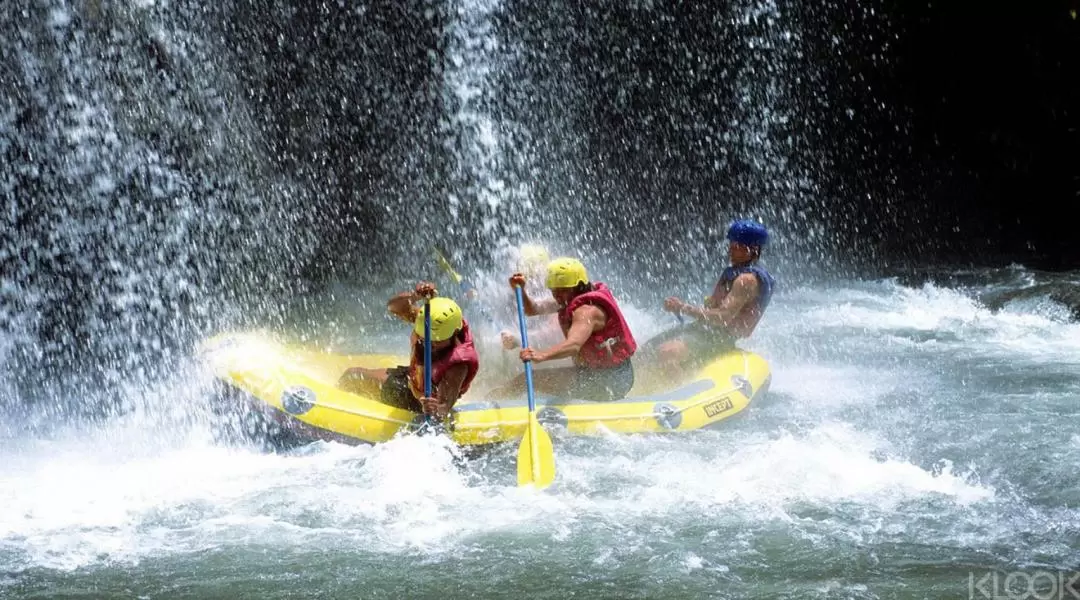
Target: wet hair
582 288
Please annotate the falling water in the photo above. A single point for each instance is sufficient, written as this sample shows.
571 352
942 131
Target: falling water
165 176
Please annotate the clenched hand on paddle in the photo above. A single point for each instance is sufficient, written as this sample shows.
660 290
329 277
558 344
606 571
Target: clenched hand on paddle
430 423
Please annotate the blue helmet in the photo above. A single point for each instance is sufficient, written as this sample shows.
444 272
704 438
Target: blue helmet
747 232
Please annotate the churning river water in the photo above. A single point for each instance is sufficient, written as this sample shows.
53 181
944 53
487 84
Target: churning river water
917 442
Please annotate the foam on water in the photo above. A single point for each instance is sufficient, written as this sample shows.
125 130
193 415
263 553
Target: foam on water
69 505
1037 328
129 492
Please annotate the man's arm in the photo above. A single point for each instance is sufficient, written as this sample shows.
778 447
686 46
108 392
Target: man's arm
531 307
743 291
449 389
714 300
401 306
547 334
586 320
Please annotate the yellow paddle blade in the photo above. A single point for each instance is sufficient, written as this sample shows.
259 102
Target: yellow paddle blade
536 457
445 265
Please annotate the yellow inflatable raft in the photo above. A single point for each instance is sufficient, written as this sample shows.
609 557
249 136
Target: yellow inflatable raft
297 387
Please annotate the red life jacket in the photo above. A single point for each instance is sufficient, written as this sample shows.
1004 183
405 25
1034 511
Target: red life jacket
612 345
463 352
744 323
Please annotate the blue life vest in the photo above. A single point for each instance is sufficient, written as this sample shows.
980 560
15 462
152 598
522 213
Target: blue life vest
765 280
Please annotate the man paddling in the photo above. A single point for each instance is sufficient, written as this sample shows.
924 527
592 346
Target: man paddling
596 336
731 312
454 361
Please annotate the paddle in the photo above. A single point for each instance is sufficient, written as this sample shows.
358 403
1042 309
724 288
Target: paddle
444 263
463 284
429 422
536 457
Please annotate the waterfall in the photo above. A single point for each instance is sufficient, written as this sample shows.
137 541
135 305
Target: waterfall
139 207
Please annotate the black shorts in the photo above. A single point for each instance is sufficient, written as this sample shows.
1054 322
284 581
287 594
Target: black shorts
704 342
396 391
602 385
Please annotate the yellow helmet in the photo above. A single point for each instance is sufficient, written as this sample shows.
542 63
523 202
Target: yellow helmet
532 258
446 319
566 273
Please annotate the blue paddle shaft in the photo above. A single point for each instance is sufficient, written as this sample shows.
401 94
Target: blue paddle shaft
427 348
525 344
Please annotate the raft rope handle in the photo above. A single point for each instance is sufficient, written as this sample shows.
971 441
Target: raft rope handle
361 413
642 416
649 415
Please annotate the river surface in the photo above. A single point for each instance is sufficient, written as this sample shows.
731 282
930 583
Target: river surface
915 442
